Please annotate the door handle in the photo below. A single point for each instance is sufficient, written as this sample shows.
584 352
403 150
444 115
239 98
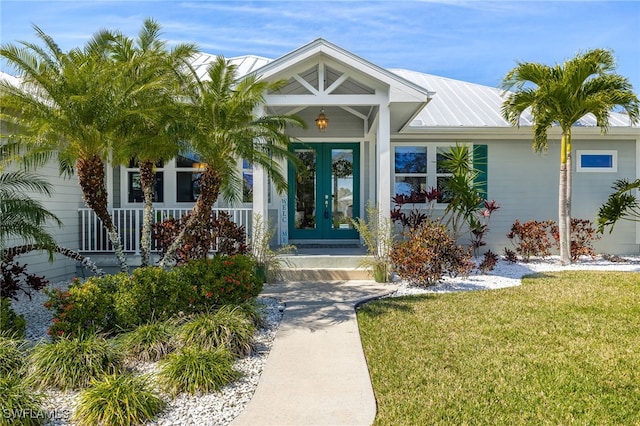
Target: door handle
326 207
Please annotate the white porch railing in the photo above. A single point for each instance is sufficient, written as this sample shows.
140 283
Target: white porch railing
128 221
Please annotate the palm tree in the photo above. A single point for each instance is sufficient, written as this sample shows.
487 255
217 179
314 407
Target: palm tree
150 132
69 103
223 129
563 94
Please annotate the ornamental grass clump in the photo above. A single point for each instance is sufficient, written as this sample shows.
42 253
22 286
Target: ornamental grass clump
19 405
71 363
118 400
226 327
11 357
195 369
149 342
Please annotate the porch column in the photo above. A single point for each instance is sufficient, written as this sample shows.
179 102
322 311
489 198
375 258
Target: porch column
383 162
260 199
260 182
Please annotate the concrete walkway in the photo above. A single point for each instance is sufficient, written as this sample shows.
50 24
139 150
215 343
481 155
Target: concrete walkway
316 372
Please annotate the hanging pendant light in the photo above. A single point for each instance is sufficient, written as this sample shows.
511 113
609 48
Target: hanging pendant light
322 122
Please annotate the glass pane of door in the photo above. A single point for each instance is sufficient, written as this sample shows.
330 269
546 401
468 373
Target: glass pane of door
342 188
305 193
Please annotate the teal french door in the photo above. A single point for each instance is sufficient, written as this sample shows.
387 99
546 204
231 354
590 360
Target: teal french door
324 193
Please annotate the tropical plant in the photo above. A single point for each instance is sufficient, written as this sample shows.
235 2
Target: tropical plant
72 363
269 262
150 133
223 128
563 94
466 206
429 253
582 237
194 369
531 238
22 217
377 236
118 400
621 204
70 103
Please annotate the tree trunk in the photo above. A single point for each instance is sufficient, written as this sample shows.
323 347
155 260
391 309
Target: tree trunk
92 182
563 231
210 184
569 188
147 181
9 254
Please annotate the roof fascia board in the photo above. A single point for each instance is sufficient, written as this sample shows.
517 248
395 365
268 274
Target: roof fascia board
519 132
325 99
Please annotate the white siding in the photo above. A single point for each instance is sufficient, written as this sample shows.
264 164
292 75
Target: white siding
64 202
525 185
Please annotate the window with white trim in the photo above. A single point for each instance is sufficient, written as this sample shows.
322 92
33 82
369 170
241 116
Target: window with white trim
599 161
416 168
188 171
134 188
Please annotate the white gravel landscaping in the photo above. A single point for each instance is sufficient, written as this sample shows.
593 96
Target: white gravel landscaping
222 407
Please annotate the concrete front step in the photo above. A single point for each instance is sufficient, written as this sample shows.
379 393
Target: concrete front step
323 268
321 275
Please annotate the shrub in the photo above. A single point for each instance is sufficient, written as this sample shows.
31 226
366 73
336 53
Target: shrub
228 327
118 400
195 369
151 293
510 255
71 363
149 342
428 254
11 324
489 262
85 307
221 232
20 405
221 280
582 237
11 356
531 238
14 278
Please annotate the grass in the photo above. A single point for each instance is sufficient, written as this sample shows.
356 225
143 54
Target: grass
560 349
228 327
118 400
194 369
19 404
72 363
149 342
12 353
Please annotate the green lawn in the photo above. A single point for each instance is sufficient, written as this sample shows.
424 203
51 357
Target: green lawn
563 348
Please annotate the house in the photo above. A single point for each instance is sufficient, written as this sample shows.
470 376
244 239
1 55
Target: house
384 132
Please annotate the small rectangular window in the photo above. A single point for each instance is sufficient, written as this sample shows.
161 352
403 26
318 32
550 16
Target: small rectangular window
597 161
187 186
135 189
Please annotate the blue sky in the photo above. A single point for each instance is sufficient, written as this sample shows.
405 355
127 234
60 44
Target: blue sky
475 41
